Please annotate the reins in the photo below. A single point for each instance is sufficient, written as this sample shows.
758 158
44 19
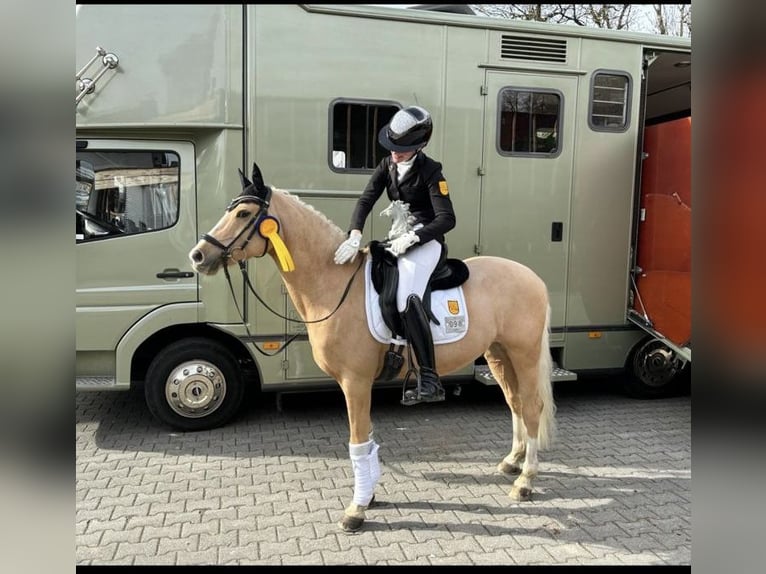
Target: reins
246 277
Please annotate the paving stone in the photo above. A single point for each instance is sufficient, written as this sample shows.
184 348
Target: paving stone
131 550
203 558
269 488
97 555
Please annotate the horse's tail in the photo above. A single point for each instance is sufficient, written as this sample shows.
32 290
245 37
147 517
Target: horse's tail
547 429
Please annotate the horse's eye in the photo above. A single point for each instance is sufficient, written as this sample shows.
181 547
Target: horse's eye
243 213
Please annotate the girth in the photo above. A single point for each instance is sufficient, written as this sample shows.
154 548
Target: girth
385 278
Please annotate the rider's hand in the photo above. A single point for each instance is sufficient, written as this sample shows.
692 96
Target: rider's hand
403 243
349 248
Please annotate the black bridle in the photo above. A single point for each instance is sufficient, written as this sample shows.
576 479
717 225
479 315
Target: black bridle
261 196
253 225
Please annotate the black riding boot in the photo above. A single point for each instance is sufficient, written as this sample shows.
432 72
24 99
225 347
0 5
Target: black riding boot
418 332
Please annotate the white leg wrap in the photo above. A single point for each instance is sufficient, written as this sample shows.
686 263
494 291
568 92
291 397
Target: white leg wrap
361 463
374 464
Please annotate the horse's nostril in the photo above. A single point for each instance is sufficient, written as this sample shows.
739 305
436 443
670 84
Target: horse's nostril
197 256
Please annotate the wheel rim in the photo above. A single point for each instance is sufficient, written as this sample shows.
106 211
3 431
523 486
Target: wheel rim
655 364
195 389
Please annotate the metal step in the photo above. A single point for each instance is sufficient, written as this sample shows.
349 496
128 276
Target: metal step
95 383
482 374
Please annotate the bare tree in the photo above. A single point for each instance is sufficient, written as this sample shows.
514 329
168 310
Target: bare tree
610 16
659 18
674 19
534 12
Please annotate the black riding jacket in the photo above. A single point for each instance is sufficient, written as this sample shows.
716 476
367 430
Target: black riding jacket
423 187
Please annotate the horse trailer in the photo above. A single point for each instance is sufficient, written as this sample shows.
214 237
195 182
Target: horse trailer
566 149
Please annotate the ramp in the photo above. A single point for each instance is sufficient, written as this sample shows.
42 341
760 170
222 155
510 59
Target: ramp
661 278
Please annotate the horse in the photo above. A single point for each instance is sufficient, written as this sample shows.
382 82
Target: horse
506 301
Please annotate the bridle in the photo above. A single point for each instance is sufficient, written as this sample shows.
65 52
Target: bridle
253 225
263 198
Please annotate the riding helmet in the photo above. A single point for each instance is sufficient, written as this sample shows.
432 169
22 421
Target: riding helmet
409 129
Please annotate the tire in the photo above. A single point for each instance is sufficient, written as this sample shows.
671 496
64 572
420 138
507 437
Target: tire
194 384
654 371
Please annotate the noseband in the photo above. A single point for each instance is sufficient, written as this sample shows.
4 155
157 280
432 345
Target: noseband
254 223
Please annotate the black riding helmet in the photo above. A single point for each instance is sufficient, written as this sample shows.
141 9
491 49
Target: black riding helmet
409 130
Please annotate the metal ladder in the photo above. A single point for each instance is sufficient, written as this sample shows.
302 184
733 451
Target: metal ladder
85 85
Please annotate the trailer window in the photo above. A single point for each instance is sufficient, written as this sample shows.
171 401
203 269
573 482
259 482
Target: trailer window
354 128
529 122
609 101
125 192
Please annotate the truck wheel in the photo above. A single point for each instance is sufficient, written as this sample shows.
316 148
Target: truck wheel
654 371
194 384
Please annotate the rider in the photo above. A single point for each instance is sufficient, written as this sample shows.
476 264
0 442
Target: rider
409 175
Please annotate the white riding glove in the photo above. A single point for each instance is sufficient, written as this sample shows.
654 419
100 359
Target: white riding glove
403 243
348 249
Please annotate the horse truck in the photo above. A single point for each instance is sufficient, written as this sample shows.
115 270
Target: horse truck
566 149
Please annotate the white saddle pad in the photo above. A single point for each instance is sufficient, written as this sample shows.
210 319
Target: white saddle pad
448 306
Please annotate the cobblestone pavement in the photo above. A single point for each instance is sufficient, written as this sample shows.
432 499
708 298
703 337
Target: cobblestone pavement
270 487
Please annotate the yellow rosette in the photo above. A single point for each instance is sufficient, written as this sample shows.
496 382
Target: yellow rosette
269 228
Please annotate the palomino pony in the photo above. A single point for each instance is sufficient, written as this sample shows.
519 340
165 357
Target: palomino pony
506 301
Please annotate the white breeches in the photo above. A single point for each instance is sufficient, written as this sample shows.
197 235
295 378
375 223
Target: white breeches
415 268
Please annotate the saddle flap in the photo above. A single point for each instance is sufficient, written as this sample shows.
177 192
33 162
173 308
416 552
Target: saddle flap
384 273
449 273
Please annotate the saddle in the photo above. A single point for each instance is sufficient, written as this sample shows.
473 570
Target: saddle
385 279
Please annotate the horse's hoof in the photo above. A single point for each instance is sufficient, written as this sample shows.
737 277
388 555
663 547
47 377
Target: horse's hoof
350 523
521 493
507 468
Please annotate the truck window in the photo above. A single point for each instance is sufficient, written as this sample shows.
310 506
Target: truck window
609 101
354 128
528 122
125 192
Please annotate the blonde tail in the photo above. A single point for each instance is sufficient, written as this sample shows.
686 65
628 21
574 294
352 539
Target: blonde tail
547 429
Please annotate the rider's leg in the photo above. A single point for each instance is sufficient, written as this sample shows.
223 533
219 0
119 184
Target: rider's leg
415 269
418 333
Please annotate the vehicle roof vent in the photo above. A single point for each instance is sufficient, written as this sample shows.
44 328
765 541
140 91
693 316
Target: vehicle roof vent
528 48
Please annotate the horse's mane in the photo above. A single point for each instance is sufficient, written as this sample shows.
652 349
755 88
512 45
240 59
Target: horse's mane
334 226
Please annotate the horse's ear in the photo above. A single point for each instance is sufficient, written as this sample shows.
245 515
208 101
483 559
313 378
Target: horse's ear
258 178
243 179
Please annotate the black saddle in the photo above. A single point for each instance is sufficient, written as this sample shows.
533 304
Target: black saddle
385 279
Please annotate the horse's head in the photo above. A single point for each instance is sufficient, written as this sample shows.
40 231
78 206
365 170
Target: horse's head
243 232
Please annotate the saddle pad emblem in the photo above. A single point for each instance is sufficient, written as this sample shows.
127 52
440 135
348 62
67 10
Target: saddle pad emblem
453 306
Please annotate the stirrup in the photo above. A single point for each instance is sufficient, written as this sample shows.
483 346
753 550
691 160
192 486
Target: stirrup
414 395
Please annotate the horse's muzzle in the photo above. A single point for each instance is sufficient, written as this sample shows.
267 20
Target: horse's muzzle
204 264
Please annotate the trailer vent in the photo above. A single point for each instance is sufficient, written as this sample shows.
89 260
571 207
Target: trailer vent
539 49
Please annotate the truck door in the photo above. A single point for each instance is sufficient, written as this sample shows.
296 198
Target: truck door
528 157
135 224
